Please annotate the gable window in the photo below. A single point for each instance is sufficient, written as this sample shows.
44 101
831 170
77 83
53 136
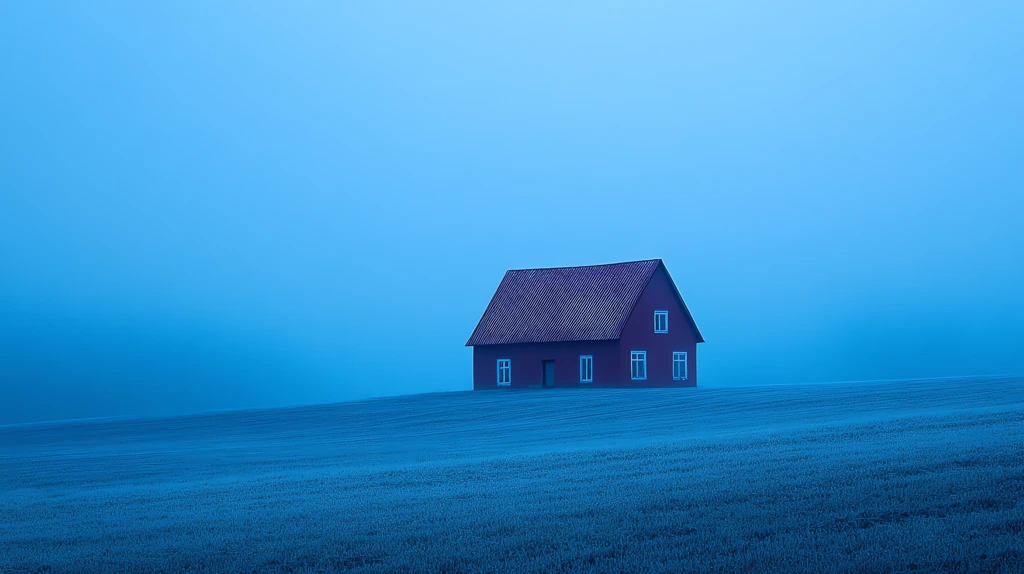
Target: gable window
638 365
679 366
504 372
661 321
586 368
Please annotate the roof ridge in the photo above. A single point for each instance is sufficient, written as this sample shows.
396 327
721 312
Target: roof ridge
583 266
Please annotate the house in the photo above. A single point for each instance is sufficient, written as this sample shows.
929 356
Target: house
615 325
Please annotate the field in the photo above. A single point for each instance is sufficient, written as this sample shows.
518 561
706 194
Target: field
903 476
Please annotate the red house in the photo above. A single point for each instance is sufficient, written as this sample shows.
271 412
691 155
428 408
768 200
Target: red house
615 325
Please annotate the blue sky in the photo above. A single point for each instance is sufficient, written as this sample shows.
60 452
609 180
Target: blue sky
254 204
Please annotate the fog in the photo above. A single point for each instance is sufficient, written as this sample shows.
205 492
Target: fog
227 206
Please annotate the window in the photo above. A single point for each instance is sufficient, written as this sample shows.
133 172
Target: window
504 372
638 364
661 321
586 368
679 366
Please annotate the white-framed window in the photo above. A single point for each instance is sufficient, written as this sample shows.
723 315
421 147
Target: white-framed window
504 372
661 321
586 368
638 365
679 365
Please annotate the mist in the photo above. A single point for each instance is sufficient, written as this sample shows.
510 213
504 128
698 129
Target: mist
231 206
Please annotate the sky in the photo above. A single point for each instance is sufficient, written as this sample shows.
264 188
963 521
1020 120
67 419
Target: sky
231 205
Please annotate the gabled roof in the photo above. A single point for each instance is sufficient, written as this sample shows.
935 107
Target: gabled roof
588 303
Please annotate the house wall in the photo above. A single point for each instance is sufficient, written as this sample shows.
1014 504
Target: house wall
639 335
611 358
527 363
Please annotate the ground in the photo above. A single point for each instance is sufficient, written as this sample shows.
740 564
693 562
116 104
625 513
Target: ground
899 476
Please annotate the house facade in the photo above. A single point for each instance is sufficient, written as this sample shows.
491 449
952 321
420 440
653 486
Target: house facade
614 325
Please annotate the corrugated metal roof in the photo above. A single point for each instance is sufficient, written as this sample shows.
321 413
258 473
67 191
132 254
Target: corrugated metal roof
589 303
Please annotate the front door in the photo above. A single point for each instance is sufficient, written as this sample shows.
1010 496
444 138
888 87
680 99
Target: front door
548 373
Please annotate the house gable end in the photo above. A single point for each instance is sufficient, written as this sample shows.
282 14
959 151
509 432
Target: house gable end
660 282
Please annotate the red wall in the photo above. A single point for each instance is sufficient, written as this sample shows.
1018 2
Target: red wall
526 363
611 358
639 335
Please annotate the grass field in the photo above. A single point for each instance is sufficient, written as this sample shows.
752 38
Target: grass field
902 476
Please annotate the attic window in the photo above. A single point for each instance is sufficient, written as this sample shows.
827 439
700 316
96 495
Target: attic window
661 321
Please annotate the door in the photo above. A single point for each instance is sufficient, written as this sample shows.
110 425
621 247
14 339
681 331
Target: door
548 373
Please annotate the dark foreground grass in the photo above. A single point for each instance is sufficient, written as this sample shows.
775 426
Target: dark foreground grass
830 478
